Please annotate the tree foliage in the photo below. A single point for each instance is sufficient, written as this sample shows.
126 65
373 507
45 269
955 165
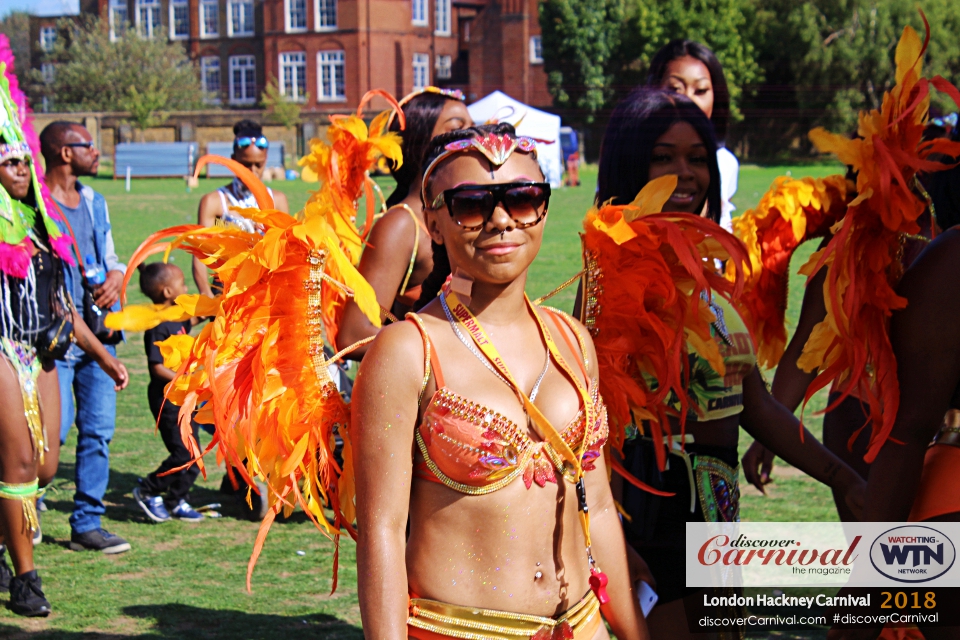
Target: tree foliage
581 45
790 64
279 108
146 76
16 26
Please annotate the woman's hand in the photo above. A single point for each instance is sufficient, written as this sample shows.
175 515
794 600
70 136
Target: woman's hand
115 369
758 465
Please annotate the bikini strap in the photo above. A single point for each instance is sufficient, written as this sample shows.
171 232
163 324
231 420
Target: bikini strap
416 245
430 359
583 361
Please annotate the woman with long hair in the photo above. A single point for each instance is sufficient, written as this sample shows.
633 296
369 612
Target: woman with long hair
478 422
692 69
652 134
397 257
37 323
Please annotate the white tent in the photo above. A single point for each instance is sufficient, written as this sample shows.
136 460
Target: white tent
532 122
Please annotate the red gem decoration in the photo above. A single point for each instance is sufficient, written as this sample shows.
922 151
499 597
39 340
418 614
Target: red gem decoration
598 583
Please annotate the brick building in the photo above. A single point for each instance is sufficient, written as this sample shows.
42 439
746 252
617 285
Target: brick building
328 53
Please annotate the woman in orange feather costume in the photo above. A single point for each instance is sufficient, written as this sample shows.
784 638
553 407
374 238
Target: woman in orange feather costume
676 358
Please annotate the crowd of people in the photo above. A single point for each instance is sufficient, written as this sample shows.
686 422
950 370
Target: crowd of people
497 493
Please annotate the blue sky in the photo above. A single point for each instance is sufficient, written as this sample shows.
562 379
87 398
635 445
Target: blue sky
40 7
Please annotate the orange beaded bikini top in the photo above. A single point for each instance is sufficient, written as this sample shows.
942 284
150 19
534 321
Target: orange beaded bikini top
475 450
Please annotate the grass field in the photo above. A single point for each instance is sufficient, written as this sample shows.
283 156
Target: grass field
186 580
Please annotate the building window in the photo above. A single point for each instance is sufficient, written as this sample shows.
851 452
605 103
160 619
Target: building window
536 50
444 67
293 76
421 71
49 72
241 17
442 18
326 15
119 18
209 18
331 72
148 17
48 35
420 12
295 15
179 19
243 80
210 78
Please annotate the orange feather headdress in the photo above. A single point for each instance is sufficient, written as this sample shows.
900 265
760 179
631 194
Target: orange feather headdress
649 276
851 346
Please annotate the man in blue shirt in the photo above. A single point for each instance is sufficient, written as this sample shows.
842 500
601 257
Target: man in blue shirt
86 392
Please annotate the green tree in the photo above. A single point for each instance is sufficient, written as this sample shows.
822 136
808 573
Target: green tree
279 108
16 26
147 76
581 45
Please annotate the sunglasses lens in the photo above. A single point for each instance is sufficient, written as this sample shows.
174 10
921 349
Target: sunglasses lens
471 208
525 203
262 143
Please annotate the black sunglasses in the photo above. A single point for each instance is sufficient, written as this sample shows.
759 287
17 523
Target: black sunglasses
472 205
86 145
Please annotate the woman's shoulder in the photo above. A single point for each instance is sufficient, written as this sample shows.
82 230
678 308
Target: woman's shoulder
397 224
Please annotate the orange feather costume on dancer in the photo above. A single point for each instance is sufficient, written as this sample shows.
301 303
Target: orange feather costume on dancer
258 371
649 279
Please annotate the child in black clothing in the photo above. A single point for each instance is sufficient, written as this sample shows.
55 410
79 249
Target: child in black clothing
162 283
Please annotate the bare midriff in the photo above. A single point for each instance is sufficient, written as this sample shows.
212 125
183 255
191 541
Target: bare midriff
488 550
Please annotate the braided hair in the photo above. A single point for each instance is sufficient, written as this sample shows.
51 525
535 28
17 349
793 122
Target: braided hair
441 262
421 113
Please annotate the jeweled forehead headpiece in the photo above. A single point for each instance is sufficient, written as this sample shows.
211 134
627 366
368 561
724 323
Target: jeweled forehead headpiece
497 148
19 150
452 94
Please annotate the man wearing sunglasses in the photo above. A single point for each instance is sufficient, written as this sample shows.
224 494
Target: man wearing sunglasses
86 392
250 149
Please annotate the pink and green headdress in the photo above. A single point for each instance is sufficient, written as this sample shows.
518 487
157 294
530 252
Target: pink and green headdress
21 141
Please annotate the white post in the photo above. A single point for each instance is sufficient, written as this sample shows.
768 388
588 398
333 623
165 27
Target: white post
128 179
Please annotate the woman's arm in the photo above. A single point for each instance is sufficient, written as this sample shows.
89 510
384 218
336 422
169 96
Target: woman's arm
790 383
779 430
88 342
609 547
610 552
384 416
384 264
280 201
926 341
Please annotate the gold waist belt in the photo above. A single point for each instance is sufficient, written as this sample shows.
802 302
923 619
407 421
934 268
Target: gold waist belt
430 619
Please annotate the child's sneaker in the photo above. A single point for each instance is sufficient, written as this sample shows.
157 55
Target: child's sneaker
186 513
152 506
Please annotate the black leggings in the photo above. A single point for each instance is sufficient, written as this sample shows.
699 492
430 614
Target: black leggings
658 527
176 485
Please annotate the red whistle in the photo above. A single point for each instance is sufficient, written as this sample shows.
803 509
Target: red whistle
598 583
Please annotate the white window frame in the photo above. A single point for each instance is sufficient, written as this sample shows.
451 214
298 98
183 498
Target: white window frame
48 36
320 9
245 6
207 65
174 4
296 90
443 15
419 10
48 71
336 62
286 17
244 63
421 67
115 8
203 23
536 50
151 29
443 67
